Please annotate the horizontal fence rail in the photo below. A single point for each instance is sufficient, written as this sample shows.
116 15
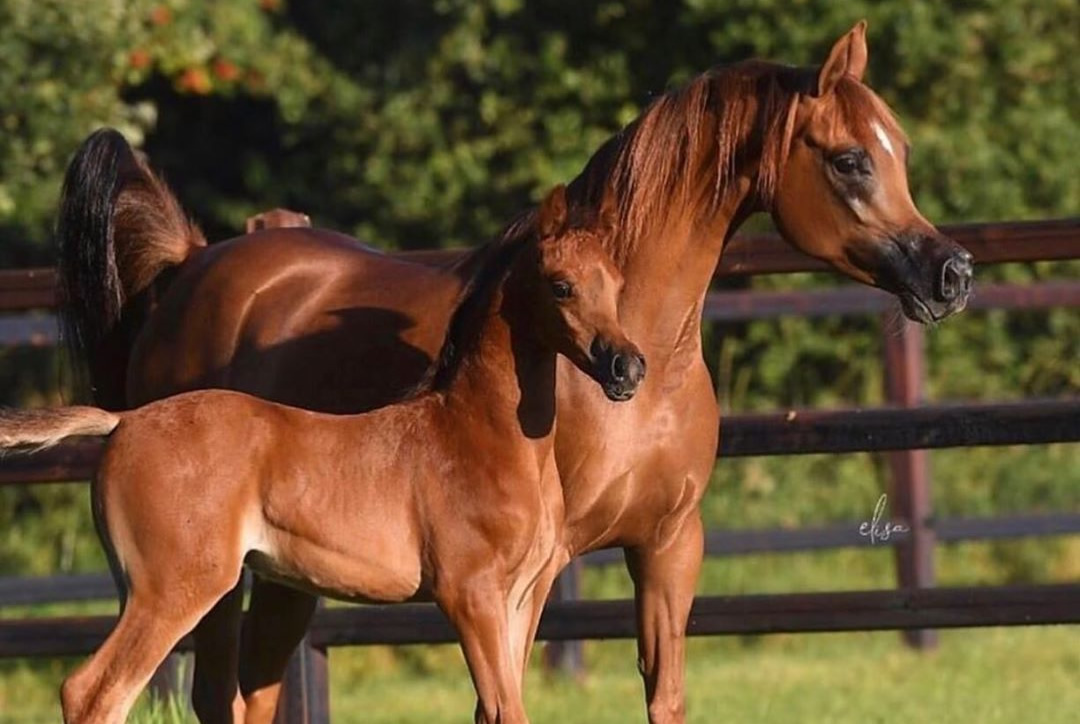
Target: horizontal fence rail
992 243
710 616
29 591
41 330
794 432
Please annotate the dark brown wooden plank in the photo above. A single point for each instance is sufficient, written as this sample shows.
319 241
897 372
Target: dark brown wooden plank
71 461
796 432
99 586
1007 526
800 432
711 616
991 243
722 306
909 471
27 289
748 304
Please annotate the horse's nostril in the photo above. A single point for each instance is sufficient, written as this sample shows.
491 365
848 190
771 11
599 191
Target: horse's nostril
619 367
955 277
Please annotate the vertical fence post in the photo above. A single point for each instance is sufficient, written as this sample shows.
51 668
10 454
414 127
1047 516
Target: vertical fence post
172 679
305 691
567 657
905 375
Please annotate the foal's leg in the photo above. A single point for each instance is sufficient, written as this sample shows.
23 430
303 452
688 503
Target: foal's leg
664 579
478 612
103 690
525 621
278 618
214 694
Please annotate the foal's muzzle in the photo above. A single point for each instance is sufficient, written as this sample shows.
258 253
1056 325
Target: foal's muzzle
618 368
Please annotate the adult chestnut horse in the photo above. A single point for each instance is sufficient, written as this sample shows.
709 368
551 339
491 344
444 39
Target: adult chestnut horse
452 493
314 319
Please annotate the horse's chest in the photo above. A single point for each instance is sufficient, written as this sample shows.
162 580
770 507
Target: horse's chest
626 468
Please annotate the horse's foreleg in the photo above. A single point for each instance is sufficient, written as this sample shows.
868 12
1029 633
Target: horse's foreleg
278 618
665 575
524 620
479 613
214 694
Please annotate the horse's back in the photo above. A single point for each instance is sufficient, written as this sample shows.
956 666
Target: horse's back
307 317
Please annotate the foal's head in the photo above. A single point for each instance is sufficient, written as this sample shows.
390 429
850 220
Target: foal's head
575 291
843 195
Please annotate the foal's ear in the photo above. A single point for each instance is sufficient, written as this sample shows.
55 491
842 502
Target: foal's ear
608 217
552 217
847 57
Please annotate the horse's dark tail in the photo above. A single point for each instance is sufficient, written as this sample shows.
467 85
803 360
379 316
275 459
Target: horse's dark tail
119 226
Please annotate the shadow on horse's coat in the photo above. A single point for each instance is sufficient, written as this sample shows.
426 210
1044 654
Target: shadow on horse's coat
813 147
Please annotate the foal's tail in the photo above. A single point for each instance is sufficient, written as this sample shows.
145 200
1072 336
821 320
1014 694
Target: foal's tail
34 430
119 226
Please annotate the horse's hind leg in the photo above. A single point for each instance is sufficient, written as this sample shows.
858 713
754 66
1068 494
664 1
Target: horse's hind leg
103 690
278 618
214 694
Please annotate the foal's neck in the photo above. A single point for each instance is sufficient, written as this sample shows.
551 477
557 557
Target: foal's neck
507 378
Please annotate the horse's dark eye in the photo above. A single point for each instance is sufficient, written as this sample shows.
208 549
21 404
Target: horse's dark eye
562 290
846 164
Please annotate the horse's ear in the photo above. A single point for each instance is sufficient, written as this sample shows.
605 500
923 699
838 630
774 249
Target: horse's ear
552 217
847 57
608 216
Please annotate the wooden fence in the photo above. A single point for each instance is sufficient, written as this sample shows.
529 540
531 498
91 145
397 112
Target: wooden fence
905 430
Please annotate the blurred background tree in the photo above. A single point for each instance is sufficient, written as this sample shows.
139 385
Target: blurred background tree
416 124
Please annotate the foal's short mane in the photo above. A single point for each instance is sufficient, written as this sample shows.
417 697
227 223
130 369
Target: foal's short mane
492 263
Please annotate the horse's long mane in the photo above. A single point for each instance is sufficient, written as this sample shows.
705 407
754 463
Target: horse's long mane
492 263
654 166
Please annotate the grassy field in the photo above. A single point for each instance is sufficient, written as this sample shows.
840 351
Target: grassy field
976 676
979 676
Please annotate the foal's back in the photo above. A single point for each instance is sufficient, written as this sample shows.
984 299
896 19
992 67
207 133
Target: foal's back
333 496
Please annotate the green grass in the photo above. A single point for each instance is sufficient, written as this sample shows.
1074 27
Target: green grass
984 676
988 675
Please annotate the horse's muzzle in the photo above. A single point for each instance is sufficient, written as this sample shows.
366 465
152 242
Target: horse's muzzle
930 273
619 370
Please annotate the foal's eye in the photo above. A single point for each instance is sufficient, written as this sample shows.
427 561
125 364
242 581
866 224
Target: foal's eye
847 163
562 290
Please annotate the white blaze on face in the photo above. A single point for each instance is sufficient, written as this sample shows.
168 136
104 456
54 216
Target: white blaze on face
883 137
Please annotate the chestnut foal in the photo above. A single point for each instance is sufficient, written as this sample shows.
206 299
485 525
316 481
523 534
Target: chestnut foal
452 494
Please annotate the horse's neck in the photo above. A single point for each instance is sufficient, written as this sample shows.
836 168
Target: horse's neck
668 272
508 377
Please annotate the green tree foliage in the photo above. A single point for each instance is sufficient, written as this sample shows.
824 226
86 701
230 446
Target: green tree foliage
420 123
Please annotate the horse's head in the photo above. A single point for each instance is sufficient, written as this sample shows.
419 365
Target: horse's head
577 298
843 195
